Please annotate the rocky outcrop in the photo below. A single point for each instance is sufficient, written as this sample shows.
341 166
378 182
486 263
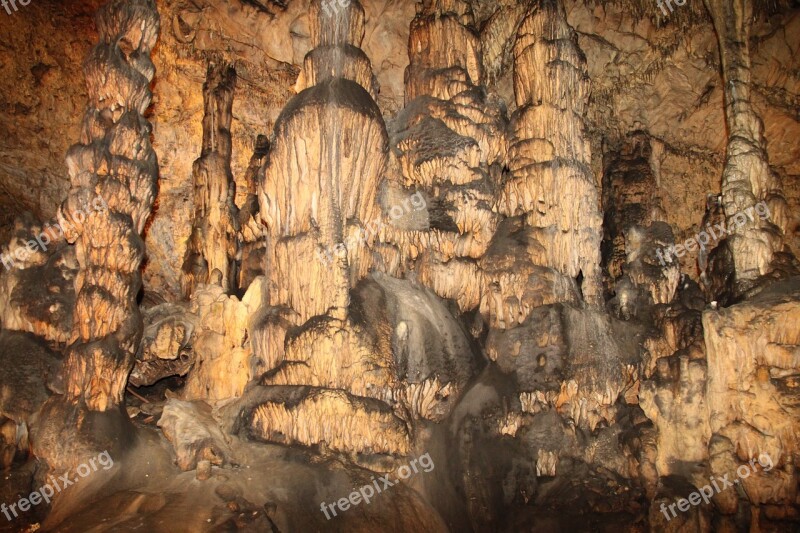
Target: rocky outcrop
753 355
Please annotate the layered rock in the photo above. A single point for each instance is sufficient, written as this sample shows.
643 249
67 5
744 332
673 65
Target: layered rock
753 356
577 362
114 160
550 183
213 245
747 178
319 184
317 181
449 142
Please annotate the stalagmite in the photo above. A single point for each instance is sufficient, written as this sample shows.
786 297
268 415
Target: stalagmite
747 178
323 171
476 251
449 141
115 162
213 243
319 184
551 183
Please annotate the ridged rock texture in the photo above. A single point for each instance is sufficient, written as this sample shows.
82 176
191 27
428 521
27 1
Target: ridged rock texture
466 236
551 184
747 178
213 245
320 182
251 236
448 143
114 173
115 161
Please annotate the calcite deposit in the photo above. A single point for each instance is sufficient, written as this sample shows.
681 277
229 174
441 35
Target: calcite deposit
395 265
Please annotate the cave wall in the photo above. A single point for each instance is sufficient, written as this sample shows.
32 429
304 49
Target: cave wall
649 72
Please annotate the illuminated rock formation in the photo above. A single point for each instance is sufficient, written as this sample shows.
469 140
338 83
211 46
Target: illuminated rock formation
747 179
551 183
115 161
213 243
448 141
322 179
753 355
323 173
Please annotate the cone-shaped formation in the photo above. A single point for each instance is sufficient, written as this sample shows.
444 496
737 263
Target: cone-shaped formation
319 184
551 183
213 243
114 160
324 168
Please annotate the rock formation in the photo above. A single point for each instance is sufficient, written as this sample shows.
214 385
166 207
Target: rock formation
213 243
115 162
550 182
498 266
251 237
319 185
747 179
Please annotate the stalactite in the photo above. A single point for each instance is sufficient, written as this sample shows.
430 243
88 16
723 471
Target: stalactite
213 244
